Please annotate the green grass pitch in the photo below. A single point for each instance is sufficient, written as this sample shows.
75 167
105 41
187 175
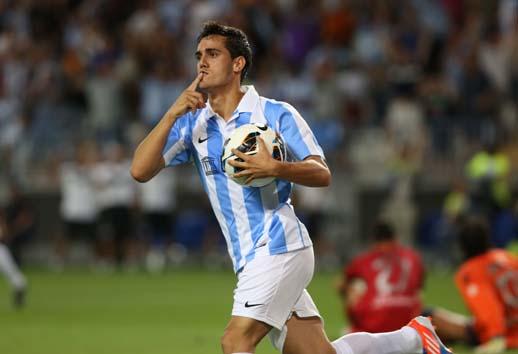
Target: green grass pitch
182 311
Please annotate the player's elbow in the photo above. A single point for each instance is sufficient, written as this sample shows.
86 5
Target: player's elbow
325 178
139 174
322 174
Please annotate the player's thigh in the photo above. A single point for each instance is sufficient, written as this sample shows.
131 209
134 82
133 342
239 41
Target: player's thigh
245 329
270 287
306 336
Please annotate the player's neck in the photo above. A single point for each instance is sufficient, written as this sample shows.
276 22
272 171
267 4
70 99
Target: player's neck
384 245
225 100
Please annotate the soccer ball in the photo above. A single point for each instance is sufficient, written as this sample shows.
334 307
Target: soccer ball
244 139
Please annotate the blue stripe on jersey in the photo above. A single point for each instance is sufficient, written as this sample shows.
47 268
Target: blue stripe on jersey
272 114
253 202
288 128
180 158
278 243
283 190
300 233
255 211
215 145
244 118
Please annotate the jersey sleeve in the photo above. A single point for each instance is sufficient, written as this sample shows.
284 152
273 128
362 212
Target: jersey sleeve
178 148
481 298
297 135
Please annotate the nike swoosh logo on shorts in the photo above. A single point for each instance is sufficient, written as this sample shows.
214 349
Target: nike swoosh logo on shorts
252 305
200 140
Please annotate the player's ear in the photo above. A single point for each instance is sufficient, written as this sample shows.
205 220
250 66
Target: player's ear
238 64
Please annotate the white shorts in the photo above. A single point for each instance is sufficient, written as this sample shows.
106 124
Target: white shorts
271 288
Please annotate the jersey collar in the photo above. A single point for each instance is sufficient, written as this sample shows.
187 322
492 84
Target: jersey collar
247 104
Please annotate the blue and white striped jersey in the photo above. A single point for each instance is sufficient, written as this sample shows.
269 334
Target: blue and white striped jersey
249 217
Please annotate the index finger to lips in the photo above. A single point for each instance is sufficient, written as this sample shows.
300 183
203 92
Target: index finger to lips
195 83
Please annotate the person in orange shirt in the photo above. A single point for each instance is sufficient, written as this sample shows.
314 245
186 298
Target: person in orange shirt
488 283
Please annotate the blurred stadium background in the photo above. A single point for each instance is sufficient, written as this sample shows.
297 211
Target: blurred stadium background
415 103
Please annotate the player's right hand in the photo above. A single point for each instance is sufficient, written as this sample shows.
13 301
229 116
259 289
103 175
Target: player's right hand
189 100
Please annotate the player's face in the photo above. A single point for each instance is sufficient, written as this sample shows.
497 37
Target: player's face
215 62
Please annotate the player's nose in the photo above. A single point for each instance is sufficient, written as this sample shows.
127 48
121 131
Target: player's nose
203 62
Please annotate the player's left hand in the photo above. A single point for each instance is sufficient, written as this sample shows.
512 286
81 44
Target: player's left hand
259 165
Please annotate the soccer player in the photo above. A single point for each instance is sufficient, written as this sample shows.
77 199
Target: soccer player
9 267
381 290
270 249
488 283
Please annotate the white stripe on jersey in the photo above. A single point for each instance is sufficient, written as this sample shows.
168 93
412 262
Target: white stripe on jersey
294 230
178 147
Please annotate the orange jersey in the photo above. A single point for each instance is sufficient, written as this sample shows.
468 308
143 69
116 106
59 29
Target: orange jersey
489 286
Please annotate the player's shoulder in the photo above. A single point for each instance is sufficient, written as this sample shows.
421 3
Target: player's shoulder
277 107
500 254
195 116
364 259
409 252
502 259
472 268
189 120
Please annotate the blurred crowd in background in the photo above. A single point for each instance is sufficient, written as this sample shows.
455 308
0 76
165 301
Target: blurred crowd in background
408 98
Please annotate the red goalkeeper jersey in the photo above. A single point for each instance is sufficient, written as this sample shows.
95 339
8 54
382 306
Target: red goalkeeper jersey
393 276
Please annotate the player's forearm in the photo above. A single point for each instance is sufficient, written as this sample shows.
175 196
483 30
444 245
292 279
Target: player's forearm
148 160
309 173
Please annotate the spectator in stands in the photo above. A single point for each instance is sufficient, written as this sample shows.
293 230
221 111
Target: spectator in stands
488 173
157 203
490 191
115 193
79 210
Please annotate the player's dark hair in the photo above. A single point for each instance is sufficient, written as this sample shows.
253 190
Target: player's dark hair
383 231
474 237
236 42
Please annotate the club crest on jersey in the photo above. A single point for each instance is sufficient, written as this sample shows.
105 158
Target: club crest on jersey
210 165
